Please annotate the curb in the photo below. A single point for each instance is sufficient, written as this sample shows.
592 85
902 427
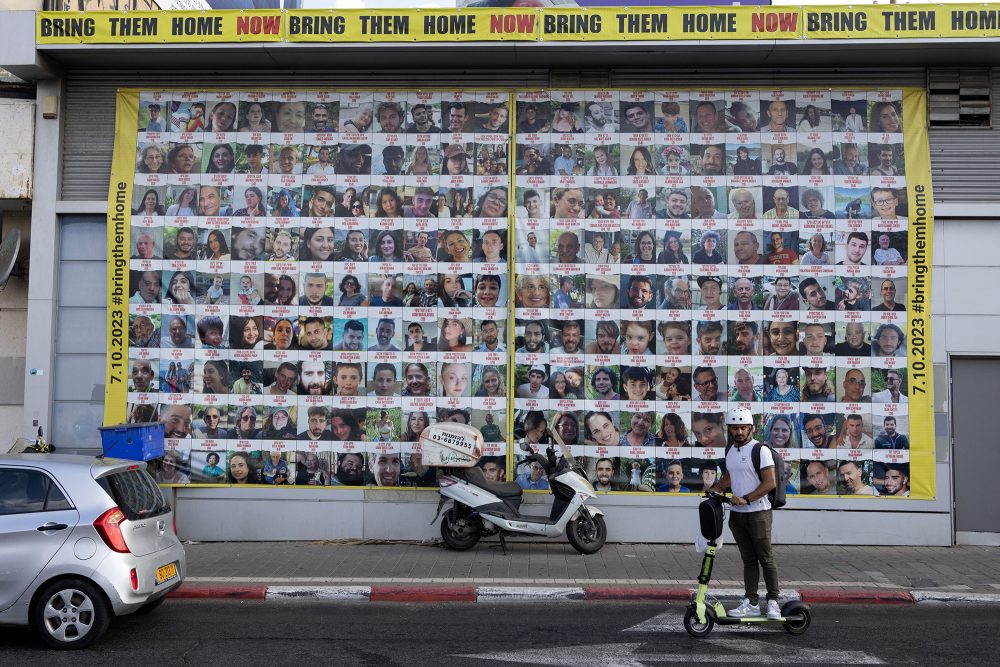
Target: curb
218 591
855 597
450 593
383 593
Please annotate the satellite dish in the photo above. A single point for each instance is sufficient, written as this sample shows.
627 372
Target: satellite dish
8 254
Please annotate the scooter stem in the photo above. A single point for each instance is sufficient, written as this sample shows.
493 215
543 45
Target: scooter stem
706 564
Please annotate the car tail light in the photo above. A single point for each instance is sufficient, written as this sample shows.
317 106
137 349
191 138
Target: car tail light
135 579
173 523
108 525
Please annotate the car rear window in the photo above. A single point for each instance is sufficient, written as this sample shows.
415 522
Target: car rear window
135 492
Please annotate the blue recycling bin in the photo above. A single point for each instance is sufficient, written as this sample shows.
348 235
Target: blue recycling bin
135 442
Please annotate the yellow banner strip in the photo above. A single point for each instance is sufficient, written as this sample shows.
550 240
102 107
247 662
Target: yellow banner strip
918 334
553 24
119 224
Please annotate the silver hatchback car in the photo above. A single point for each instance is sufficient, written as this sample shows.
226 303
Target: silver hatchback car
82 539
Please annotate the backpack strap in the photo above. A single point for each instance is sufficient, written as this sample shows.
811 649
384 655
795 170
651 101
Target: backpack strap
755 457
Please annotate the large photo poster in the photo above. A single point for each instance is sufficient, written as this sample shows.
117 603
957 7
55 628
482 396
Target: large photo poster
314 278
681 252
302 281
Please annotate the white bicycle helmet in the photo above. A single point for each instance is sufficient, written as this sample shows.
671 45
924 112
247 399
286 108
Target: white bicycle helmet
739 416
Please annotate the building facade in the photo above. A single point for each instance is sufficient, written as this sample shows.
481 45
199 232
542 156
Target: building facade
64 366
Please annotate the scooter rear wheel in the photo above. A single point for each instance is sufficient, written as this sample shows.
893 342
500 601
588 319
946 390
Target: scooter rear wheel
696 629
459 530
585 539
796 608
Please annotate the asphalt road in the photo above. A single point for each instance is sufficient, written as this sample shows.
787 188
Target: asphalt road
580 634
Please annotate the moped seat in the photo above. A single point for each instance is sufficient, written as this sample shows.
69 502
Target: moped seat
475 476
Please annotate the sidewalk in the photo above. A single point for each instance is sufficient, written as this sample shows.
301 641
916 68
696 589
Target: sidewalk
428 571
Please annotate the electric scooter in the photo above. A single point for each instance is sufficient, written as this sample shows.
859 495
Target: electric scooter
473 507
705 610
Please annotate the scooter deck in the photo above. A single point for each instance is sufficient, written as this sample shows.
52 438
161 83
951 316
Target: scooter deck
732 620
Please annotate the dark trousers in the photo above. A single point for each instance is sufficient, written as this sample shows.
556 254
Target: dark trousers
752 531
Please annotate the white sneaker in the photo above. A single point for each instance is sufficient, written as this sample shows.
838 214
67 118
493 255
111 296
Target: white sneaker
773 610
745 609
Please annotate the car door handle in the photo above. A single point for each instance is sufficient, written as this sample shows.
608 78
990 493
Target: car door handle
52 526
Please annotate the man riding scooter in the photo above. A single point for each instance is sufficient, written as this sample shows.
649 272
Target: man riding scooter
750 515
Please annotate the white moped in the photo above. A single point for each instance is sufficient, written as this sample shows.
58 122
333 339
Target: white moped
473 506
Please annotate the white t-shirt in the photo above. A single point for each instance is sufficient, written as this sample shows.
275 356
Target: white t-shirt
743 478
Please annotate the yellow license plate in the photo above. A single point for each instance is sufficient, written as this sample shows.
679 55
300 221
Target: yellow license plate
166 573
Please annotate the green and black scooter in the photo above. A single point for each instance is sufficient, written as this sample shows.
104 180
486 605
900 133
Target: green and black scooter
705 610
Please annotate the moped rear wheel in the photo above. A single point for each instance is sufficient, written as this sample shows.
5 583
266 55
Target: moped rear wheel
585 538
460 530
694 627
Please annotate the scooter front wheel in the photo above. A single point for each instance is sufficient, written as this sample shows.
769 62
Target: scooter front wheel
696 628
459 530
586 538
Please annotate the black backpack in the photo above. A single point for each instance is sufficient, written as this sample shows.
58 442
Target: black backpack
777 494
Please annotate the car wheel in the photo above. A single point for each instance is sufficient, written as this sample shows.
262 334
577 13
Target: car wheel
70 614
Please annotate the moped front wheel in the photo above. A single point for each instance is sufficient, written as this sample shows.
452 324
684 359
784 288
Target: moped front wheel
460 530
585 537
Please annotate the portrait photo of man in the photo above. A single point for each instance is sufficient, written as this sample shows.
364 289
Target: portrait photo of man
854 383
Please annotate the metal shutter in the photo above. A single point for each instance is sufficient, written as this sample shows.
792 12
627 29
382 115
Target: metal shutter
964 166
88 140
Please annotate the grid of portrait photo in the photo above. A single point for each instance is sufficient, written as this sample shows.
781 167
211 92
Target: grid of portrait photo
678 253
315 278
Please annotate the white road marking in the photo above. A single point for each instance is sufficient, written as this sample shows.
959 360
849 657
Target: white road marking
598 655
673 621
724 650
319 592
498 594
948 596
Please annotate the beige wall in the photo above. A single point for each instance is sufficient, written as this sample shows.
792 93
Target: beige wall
21 4
17 139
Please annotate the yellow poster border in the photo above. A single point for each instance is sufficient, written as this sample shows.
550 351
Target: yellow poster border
920 211
916 139
509 329
118 244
